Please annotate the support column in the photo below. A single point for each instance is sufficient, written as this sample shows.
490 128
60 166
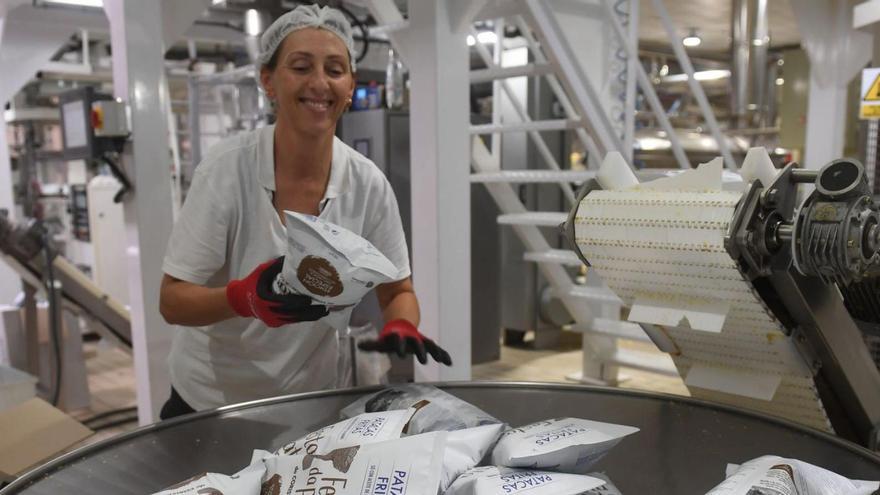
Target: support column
440 171
139 79
10 283
826 123
837 53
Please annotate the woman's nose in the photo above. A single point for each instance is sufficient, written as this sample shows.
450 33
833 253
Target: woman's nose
319 80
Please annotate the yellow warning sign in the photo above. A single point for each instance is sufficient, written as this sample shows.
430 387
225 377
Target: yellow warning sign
873 93
869 106
869 112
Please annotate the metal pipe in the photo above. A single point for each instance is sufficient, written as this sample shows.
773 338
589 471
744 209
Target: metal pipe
803 175
760 41
534 125
768 115
491 74
629 107
497 52
784 233
740 67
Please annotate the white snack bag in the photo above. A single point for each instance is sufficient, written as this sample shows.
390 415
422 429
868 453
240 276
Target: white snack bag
407 466
361 429
498 480
607 489
774 475
245 482
444 412
465 449
569 445
331 264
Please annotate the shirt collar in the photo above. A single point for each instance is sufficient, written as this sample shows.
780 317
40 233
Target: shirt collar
338 182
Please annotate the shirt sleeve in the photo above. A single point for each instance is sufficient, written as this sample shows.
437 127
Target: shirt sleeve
198 244
385 229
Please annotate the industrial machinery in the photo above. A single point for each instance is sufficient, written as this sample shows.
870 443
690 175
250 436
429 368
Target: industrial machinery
763 300
25 247
682 448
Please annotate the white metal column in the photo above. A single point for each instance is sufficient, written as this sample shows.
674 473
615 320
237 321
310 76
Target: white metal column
826 124
440 160
837 52
138 78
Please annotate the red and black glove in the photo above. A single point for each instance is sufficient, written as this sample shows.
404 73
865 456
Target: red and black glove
253 297
402 337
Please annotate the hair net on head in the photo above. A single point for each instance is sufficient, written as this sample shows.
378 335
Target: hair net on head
306 16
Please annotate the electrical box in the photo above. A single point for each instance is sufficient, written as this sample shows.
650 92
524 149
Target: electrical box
92 124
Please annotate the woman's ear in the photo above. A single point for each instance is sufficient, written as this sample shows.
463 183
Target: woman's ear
266 82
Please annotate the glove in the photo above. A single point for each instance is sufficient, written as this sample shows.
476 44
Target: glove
253 297
402 337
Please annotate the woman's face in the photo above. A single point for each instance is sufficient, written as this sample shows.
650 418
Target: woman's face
312 81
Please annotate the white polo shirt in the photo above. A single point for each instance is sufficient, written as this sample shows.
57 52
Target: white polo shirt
227 226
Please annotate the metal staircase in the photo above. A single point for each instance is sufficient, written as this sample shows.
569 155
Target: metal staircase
595 309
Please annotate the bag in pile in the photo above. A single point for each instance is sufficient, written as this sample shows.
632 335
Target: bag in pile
568 445
498 480
359 430
406 466
774 475
444 411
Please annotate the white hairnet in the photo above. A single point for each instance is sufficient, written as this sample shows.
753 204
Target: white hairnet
306 16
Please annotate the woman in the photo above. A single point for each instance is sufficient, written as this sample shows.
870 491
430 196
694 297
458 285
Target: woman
245 342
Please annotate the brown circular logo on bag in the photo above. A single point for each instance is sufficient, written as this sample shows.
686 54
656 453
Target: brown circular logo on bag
319 276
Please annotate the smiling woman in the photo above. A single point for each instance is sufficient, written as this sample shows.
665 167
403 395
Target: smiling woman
310 80
240 340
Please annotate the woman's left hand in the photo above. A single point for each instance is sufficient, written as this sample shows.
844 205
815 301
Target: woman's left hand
402 337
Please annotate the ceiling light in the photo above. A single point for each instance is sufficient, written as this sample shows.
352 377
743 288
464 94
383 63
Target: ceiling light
703 75
253 22
780 81
487 37
77 3
484 37
692 39
664 71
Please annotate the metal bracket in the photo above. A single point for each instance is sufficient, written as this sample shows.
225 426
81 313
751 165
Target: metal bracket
874 439
805 349
567 228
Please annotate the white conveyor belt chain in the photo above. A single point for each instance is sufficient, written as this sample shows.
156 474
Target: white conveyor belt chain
666 248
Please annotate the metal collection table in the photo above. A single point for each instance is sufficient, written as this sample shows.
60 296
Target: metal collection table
683 447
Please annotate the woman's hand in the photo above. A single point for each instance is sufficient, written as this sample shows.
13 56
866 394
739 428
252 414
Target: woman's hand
402 337
253 296
400 334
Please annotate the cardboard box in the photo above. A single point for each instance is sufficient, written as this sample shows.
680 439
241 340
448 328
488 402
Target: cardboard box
34 432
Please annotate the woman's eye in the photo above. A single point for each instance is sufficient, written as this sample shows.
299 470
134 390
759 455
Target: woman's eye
300 68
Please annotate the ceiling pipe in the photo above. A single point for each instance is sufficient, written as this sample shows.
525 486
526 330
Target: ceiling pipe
739 80
760 42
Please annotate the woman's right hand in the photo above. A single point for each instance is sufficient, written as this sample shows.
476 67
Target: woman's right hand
254 297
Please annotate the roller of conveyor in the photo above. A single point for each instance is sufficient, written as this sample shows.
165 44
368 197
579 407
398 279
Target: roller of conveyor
683 447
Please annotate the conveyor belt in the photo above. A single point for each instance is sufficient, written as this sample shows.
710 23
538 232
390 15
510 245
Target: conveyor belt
666 249
682 449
